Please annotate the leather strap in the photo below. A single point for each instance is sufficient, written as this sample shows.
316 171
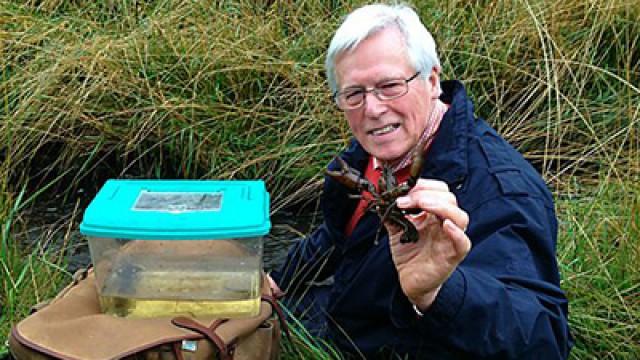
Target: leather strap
208 332
177 351
281 318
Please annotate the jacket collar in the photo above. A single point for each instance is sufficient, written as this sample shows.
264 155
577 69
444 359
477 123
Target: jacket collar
447 158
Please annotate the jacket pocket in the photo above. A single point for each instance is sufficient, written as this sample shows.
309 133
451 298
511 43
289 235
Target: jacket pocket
509 180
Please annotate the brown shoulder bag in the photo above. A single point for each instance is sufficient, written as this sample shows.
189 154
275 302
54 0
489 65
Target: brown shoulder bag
71 326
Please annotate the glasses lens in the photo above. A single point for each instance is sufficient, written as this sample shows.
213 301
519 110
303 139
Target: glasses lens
351 98
392 89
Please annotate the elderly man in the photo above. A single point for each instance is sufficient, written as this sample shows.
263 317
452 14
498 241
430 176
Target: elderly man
481 281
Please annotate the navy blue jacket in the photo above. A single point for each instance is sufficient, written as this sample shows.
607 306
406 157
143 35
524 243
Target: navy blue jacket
502 302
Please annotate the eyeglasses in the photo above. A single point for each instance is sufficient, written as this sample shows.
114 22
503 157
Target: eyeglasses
354 97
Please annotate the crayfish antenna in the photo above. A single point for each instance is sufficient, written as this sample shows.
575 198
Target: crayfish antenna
414 173
418 160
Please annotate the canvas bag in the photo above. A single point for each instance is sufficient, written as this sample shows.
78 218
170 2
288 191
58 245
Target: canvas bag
72 326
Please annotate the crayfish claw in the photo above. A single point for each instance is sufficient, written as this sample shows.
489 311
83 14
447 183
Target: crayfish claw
348 176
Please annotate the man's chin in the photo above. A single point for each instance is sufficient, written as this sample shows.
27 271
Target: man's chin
387 151
388 156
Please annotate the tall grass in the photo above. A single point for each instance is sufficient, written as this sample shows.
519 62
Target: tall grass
235 89
598 249
180 89
27 276
558 79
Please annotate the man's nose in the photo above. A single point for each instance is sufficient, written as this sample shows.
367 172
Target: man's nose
373 107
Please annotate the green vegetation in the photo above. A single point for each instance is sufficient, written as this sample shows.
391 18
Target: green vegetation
597 250
235 89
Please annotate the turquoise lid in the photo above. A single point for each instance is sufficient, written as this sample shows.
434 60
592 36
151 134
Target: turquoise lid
178 210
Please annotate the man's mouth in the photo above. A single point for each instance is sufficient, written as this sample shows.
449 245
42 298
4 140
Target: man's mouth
384 130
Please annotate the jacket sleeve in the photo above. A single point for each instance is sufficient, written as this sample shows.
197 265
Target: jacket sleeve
312 258
316 257
504 300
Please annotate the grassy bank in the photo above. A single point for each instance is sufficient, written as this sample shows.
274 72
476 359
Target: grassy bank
235 89
598 248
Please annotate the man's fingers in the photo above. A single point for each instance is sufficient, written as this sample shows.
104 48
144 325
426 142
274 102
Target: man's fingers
414 198
444 206
275 289
459 238
430 184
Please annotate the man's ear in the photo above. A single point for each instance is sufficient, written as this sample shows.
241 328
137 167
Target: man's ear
434 81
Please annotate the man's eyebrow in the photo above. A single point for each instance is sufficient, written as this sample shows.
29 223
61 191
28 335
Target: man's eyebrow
389 78
353 87
380 81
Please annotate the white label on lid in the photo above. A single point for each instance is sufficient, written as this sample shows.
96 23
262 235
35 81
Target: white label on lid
178 202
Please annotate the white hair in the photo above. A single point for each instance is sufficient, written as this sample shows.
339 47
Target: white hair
371 19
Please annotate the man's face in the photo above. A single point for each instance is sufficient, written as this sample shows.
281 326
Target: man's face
386 129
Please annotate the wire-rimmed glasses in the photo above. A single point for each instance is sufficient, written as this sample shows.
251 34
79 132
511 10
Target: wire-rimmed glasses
354 97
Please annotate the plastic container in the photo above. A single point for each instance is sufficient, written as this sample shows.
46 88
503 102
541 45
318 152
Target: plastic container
166 248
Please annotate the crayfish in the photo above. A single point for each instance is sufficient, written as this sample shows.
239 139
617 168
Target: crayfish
384 197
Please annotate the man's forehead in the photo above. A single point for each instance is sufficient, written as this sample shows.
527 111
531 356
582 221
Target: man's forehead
376 59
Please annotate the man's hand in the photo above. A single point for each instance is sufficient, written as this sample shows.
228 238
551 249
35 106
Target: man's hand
425 265
275 289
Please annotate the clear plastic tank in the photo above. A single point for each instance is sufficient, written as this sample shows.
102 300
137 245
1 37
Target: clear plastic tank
160 262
